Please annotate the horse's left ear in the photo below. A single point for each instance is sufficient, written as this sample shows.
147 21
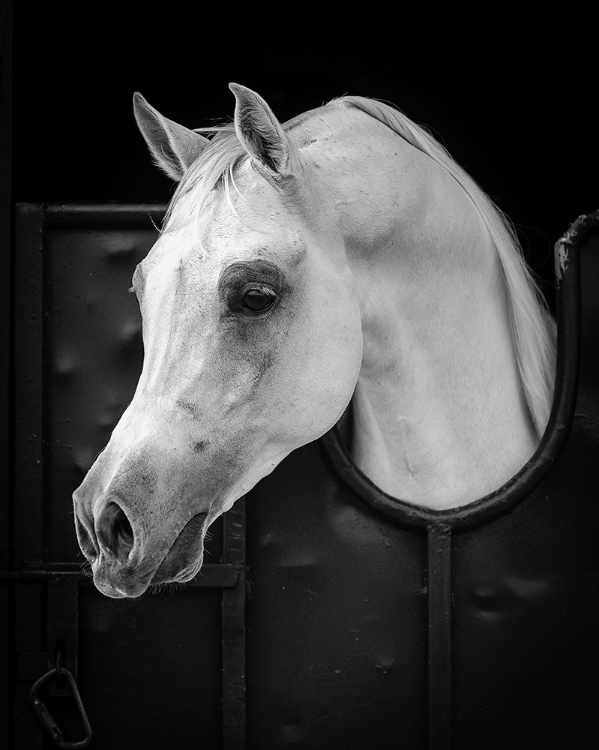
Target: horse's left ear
261 134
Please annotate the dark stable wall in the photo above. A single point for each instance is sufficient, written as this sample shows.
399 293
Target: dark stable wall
514 107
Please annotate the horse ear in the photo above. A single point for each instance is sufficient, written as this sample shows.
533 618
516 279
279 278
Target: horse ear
260 133
173 146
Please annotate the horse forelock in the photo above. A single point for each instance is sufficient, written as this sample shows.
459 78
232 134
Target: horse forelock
213 169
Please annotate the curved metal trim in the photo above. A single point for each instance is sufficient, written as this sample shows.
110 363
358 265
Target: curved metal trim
527 479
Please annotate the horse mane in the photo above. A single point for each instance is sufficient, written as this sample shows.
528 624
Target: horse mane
532 327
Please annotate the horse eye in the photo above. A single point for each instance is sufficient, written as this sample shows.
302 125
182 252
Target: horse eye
258 300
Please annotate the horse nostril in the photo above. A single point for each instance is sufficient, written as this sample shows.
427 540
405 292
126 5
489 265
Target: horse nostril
86 540
115 534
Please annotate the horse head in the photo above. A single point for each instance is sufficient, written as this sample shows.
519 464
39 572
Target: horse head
341 256
252 346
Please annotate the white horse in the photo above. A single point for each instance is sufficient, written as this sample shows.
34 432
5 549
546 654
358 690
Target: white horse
341 256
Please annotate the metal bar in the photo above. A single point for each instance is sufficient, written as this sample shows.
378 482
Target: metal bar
6 450
30 662
62 620
212 575
101 215
233 619
5 269
28 385
439 637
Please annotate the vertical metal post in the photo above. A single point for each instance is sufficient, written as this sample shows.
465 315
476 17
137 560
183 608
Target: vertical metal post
28 386
5 267
62 621
439 636
233 628
27 511
6 603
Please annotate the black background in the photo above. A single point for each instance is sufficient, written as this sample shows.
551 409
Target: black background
512 101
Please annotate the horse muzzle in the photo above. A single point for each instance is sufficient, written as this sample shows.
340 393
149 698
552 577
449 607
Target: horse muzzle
126 562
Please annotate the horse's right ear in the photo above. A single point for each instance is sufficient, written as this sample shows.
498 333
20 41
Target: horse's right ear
173 146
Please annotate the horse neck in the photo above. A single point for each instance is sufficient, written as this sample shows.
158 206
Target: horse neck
439 413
